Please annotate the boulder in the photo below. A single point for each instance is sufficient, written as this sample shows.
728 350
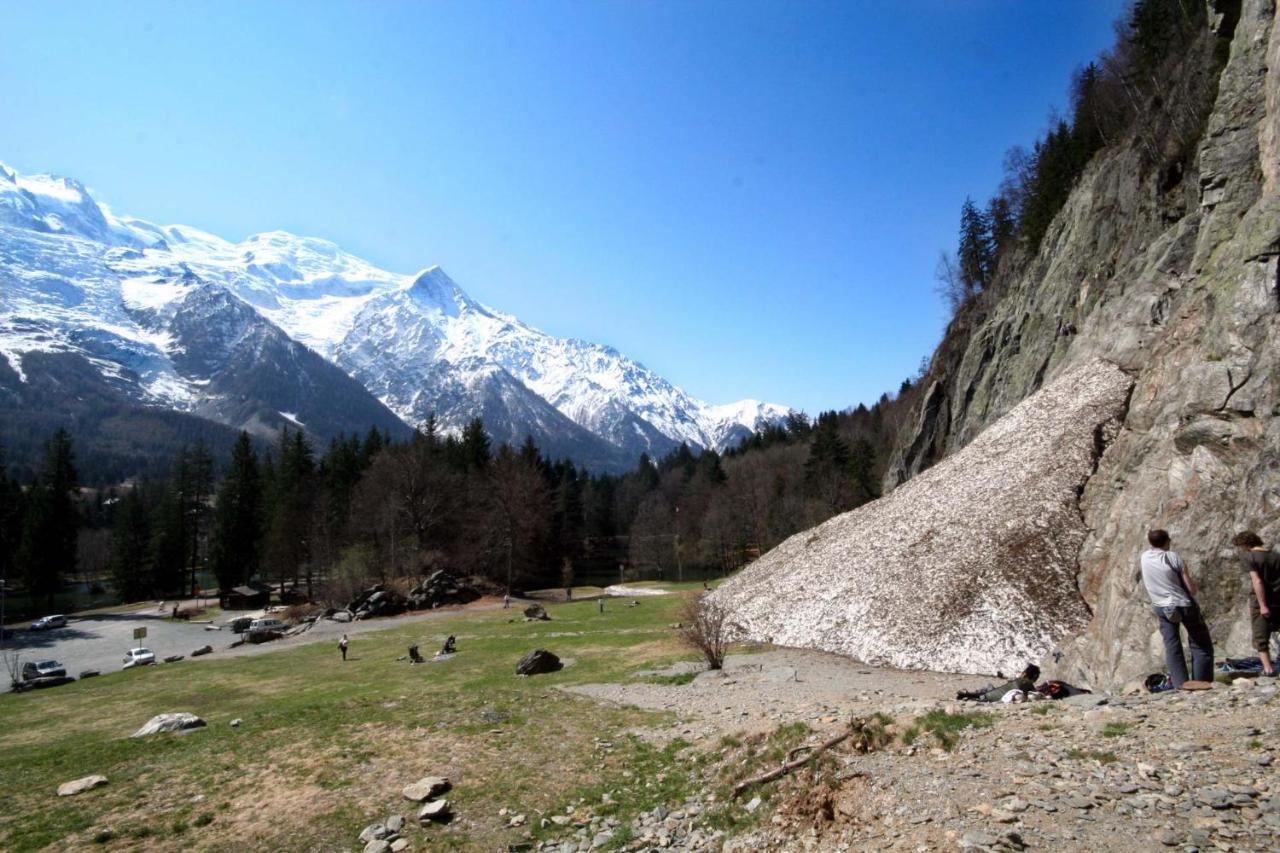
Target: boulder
537 662
436 810
79 786
174 658
536 611
426 788
89 673
174 722
377 600
341 616
438 589
203 650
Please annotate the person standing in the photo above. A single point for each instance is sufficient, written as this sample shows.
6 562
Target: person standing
342 646
1263 566
1172 591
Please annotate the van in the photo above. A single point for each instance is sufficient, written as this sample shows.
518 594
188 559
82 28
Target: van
260 626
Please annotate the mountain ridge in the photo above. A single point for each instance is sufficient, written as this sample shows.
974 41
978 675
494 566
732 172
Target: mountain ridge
418 343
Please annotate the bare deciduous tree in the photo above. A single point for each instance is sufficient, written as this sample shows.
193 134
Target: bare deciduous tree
703 628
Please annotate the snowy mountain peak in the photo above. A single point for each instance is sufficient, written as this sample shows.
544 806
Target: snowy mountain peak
434 288
418 343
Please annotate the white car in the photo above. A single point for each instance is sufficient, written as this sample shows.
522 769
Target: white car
45 623
258 626
138 657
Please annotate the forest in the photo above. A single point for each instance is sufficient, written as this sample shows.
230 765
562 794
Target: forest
365 509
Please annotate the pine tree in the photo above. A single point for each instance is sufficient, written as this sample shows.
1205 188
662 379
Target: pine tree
48 546
288 540
197 490
975 254
10 520
475 445
236 539
170 534
131 548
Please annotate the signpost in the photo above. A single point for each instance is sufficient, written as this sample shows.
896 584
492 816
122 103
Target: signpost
139 633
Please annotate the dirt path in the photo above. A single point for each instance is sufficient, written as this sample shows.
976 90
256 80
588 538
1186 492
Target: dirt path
756 692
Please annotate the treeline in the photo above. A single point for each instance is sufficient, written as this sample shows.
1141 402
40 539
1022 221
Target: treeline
1154 86
367 509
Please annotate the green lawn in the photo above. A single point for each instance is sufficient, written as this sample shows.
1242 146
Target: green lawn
325 747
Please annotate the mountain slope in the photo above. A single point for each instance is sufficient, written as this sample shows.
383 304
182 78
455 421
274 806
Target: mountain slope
119 289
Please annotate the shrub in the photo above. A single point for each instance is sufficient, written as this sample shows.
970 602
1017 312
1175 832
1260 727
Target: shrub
703 628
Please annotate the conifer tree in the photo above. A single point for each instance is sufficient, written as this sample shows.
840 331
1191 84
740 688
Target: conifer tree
131 548
48 546
10 520
975 253
475 445
197 490
236 539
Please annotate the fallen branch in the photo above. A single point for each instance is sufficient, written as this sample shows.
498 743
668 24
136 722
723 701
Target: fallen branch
789 766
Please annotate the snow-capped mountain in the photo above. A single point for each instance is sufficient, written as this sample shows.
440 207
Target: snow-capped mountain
172 312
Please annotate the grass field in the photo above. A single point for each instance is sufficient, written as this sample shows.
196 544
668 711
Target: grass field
325 747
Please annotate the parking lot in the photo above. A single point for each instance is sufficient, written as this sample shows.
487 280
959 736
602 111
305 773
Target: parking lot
99 640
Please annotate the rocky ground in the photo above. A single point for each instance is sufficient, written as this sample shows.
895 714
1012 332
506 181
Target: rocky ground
1181 770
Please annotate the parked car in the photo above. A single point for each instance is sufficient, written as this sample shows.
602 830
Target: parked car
260 626
240 624
138 657
45 623
31 670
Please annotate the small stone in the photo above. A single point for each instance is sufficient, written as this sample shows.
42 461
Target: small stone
374 832
394 823
438 810
79 786
753 805
399 844
428 787
378 845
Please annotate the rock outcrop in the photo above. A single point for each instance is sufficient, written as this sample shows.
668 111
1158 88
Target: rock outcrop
1170 273
968 567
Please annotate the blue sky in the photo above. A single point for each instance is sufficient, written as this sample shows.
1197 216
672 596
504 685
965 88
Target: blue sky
747 197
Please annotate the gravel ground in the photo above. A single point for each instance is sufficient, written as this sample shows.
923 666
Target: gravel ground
1190 771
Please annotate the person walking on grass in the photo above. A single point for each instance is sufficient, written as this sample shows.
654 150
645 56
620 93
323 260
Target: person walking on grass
342 647
1263 566
1172 591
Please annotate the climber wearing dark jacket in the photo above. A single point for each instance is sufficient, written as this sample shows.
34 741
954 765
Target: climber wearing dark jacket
1026 682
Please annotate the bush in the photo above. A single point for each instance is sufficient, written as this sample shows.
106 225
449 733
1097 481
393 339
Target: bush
703 628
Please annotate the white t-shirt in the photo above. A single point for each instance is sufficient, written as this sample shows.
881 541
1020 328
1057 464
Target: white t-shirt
1162 575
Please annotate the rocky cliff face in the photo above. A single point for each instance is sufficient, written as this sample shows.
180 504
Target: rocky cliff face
1172 275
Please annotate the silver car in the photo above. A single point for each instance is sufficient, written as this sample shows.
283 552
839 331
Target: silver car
138 657
45 623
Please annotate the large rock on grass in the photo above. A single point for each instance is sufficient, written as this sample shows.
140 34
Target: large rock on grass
169 723
79 786
968 567
537 662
